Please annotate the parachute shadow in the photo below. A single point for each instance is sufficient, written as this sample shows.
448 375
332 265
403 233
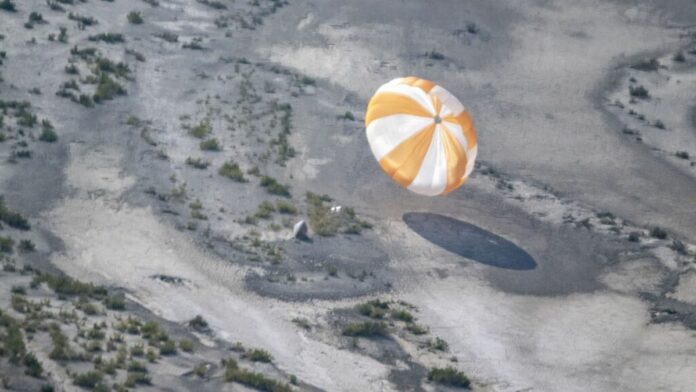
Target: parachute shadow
469 241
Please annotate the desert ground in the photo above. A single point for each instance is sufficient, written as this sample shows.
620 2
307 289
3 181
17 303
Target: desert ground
156 154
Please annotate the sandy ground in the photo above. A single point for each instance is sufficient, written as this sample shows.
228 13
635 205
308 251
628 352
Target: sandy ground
138 245
557 299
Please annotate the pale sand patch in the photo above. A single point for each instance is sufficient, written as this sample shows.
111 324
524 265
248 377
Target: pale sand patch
113 243
599 341
634 277
686 290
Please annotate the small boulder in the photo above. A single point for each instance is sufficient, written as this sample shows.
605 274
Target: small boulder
299 231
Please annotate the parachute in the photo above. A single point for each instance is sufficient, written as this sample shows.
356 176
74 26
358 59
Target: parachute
421 135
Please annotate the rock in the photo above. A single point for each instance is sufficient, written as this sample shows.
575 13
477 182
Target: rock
300 230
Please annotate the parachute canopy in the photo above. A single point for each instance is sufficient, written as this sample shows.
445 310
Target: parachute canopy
421 135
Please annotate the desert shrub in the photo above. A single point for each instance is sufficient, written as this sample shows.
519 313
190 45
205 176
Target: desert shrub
658 232
169 37
137 378
679 57
439 344
96 333
8 5
85 54
137 350
320 218
13 341
194 44
210 145
634 236
22 305
34 18
258 355
233 373
107 89
66 286
48 135
647 65
109 38
332 270
18 290
24 154
402 315
135 17
198 323
33 366
197 163
26 246
264 210
63 36
120 69
168 348
151 355
346 116
151 331
307 81
85 100
88 380
138 56
153 3
213 4
433 55
136 366
273 187
639 92
70 85
449 377
82 21
115 302
682 155
6 244
367 329
659 124
201 130
373 309
679 247
201 369
231 170
145 134
285 207
71 69
25 118
186 345
416 329
86 306
302 323
61 350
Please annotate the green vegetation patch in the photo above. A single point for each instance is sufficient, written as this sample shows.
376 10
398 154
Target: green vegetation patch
231 170
449 376
11 218
233 373
367 329
274 187
135 17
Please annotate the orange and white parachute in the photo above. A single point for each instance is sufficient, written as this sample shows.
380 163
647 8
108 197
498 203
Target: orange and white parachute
421 135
